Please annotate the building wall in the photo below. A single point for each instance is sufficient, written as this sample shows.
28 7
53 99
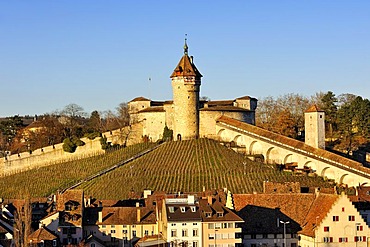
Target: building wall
270 240
153 125
220 236
188 226
55 154
186 107
344 227
274 152
315 129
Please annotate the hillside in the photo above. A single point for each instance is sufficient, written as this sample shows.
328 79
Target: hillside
43 181
189 166
172 167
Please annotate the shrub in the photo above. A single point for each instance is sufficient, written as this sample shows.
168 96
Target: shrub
69 146
104 144
92 135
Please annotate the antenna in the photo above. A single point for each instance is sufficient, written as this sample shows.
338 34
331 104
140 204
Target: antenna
150 80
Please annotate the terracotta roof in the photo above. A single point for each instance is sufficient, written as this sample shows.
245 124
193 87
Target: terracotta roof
261 212
224 108
220 102
74 214
186 68
140 99
298 146
187 215
153 109
319 209
42 234
314 108
214 208
120 216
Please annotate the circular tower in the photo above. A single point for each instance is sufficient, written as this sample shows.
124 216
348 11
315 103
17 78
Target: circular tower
186 81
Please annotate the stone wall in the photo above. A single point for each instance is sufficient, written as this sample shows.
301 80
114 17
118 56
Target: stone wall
55 154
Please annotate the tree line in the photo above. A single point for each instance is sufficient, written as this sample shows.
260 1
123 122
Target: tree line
347 118
71 122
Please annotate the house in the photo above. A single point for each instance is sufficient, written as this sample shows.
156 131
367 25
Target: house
43 237
181 221
333 220
121 225
220 226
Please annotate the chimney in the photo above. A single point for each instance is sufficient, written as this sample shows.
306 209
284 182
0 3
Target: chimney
100 216
191 199
209 199
138 219
147 193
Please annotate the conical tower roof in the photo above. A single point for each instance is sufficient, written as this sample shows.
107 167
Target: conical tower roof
186 66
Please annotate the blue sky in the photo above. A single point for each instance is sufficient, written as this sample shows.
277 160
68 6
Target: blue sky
98 54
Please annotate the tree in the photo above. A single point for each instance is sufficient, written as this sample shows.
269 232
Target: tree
94 123
74 116
123 115
329 106
22 223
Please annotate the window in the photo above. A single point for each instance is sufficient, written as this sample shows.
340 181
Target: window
194 224
326 228
171 209
124 226
195 232
54 242
133 226
343 239
184 224
343 209
211 226
335 218
230 225
208 215
146 232
182 209
217 225
351 217
360 228
124 231
184 232
195 244
112 231
220 214
134 233
112 226
104 233
103 226
211 236
173 233
328 239
92 245
193 209
173 224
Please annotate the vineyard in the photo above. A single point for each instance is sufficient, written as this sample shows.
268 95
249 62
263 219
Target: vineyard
191 166
46 180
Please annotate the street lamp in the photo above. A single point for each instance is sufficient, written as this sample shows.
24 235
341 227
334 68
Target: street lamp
284 222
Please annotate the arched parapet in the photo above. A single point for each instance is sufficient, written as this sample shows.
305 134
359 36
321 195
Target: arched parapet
347 179
238 140
311 165
221 134
255 148
272 156
288 159
328 173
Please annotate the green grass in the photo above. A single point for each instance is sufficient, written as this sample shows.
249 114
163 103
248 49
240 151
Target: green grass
46 180
187 166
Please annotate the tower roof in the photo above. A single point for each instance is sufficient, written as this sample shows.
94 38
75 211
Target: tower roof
186 66
314 108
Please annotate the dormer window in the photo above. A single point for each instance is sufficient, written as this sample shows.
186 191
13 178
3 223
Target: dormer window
182 209
193 209
220 214
171 209
208 215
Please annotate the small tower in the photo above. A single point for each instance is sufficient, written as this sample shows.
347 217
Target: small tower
186 81
315 127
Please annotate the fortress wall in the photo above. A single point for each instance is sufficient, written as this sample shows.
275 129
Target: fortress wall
55 154
154 125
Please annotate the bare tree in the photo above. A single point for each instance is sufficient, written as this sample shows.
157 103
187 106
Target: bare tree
22 223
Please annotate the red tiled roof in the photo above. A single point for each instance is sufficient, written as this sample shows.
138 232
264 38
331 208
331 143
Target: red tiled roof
224 108
314 108
319 209
186 68
42 234
263 134
153 109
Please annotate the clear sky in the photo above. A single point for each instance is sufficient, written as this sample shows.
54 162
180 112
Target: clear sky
98 54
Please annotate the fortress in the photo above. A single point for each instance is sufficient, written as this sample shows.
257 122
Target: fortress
190 117
187 115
